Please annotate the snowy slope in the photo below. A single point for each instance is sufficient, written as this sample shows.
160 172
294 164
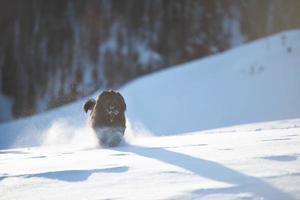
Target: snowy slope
162 158
256 82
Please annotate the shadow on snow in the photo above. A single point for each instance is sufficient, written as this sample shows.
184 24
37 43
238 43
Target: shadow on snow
211 170
71 175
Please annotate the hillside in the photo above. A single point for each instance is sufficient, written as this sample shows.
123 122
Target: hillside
184 138
252 83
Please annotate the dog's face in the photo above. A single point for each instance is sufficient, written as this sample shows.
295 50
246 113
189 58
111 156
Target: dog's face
112 103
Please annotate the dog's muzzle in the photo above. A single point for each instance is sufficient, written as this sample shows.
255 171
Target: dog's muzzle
112 113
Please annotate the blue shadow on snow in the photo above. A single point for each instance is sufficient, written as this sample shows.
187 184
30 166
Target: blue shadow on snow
71 175
211 170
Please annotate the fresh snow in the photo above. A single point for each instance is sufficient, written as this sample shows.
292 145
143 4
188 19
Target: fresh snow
257 82
175 146
253 162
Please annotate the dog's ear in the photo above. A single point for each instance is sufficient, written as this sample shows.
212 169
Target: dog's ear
89 105
123 104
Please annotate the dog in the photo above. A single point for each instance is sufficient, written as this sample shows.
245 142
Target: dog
107 117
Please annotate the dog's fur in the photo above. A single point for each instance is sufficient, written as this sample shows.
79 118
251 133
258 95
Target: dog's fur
107 113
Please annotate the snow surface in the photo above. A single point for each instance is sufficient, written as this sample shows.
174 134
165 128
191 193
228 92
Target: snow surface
256 82
259 161
55 155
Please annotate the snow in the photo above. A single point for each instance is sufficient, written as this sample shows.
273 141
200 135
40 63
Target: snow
232 27
184 138
236 163
144 54
253 83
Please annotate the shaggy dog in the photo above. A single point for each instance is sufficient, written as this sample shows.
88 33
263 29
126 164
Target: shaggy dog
107 117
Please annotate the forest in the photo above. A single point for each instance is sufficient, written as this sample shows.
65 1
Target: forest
54 52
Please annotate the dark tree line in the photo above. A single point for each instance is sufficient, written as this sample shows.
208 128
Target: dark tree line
53 52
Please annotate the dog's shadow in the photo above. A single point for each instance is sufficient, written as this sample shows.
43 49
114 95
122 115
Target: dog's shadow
71 175
211 170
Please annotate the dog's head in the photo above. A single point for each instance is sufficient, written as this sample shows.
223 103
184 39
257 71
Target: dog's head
110 103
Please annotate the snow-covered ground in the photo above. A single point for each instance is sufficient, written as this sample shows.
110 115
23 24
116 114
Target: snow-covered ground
252 162
175 145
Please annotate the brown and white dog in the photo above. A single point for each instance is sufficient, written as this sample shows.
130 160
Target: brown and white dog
107 117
